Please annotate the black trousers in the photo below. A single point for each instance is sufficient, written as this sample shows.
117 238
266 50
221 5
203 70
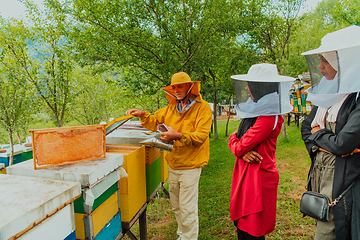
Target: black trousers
245 236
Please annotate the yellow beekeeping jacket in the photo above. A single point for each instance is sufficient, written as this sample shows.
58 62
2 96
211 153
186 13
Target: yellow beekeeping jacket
192 150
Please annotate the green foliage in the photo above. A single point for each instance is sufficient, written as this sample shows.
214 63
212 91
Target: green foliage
154 39
14 94
16 97
45 58
92 98
126 57
273 31
347 12
138 95
313 26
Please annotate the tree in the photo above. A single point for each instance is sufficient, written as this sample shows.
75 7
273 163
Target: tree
235 58
16 98
91 95
97 97
155 39
272 33
313 26
46 59
135 93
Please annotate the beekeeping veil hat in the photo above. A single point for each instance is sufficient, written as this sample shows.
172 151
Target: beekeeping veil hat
178 78
342 50
270 92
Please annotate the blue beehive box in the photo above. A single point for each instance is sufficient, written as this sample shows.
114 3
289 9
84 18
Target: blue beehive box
5 157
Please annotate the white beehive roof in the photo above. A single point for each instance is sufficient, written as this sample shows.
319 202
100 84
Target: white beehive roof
88 173
24 200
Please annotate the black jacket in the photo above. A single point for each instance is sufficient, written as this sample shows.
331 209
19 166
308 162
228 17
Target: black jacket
344 141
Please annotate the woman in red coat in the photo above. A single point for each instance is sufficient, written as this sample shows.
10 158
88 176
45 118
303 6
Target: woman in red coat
255 176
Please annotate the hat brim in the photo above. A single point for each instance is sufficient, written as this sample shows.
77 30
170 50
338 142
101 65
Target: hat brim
194 91
319 50
169 88
247 77
341 39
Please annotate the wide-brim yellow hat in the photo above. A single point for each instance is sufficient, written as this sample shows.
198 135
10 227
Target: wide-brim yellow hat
179 78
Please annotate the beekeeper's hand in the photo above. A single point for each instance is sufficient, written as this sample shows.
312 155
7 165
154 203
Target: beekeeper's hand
135 112
315 129
252 157
170 135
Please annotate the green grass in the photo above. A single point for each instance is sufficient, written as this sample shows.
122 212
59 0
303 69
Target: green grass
214 193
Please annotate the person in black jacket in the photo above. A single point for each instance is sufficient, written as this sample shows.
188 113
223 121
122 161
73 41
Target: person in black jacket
331 132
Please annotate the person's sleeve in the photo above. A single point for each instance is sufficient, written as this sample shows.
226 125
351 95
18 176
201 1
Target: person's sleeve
253 136
306 131
150 122
202 128
343 142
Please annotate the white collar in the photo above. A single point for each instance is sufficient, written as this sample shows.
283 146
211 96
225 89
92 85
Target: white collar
268 105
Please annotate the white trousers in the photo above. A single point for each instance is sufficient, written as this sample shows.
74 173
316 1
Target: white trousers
184 192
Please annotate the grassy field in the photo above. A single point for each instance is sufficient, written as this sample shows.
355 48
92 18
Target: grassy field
214 196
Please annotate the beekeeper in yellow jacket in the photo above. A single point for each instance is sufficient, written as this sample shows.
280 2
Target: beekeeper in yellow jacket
188 118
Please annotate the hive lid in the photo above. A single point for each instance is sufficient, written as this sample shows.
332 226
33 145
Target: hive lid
129 136
22 147
8 151
25 200
88 173
117 122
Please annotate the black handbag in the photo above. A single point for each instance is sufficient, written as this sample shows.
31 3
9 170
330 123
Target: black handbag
317 205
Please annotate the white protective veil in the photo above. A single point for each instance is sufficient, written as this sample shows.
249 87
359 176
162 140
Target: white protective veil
341 49
269 92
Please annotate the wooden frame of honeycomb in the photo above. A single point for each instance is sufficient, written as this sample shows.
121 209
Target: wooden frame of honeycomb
57 146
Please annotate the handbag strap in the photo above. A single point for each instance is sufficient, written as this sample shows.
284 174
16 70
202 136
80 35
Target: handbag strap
343 193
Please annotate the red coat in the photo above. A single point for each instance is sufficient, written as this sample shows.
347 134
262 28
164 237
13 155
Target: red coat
254 185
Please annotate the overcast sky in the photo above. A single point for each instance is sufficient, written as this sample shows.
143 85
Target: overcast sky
14 8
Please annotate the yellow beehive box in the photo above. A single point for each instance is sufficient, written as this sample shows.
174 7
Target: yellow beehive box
134 165
132 202
2 168
100 216
132 188
152 154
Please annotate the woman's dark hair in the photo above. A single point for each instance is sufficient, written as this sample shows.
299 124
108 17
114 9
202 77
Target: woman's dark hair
260 89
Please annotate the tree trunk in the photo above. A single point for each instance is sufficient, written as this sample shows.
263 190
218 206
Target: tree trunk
58 121
215 123
11 159
25 134
228 119
19 138
216 137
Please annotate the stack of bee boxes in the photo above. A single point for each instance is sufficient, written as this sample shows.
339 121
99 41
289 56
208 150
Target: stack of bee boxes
74 155
298 96
146 168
